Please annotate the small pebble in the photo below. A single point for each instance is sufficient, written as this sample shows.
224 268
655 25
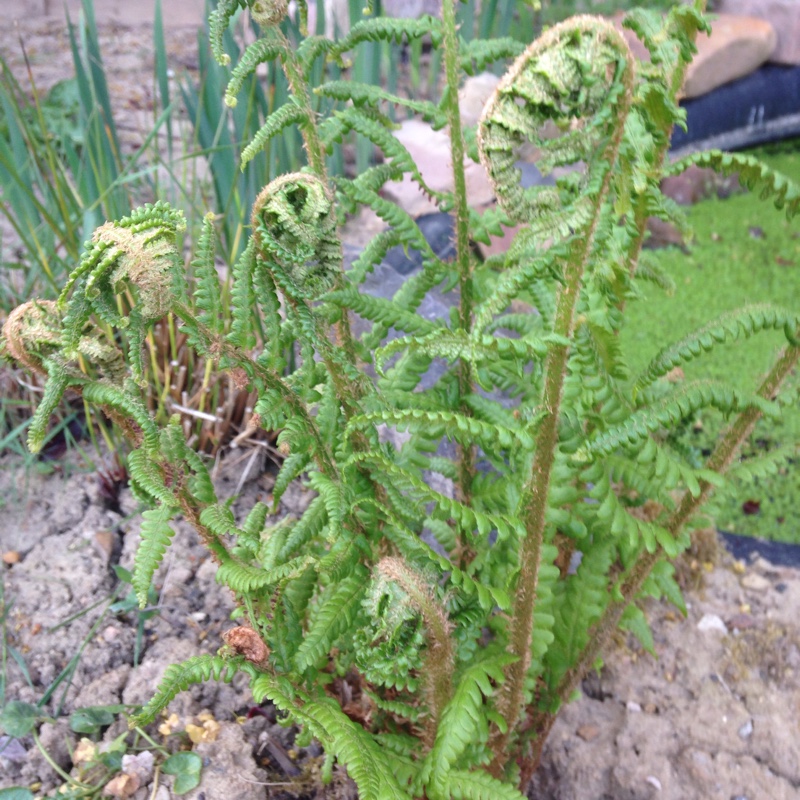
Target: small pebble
755 583
711 622
741 622
11 557
633 707
140 766
653 781
746 731
588 732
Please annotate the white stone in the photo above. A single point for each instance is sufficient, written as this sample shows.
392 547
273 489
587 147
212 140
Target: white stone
711 622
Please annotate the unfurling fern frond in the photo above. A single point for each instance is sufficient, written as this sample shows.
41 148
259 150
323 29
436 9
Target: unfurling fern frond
579 75
294 227
179 677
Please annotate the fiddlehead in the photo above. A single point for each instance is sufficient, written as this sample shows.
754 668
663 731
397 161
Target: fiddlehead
294 227
578 78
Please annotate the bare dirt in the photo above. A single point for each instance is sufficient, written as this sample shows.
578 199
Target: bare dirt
715 715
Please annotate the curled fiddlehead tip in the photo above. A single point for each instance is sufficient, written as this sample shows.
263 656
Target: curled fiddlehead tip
144 255
294 227
32 332
269 13
577 78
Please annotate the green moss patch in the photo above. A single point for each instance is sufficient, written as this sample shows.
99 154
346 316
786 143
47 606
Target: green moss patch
743 252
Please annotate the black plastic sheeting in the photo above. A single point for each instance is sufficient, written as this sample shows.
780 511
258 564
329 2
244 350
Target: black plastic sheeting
764 106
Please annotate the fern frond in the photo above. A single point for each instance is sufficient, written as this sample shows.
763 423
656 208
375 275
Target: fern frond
671 409
179 677
477 54
463 723
245 579
267 48
334 615
469 519
54 389
476 349
465 429
242 299
293 466
219 519
479 785
128 406
207 286
366 763
149 476
218 21
156 535
288 114
366 94
388 29
745 322
381 310
753 173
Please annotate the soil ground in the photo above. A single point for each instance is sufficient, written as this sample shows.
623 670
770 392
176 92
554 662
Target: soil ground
715 715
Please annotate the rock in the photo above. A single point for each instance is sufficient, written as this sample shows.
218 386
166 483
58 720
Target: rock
737 46
696 183
588 732
711 622
746 731
430 150
140 766
755 582
474 94
122 786
783 15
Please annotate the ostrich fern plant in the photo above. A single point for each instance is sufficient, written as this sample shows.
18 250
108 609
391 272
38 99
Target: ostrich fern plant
469 616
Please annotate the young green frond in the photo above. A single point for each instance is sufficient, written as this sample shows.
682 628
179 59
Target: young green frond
179 677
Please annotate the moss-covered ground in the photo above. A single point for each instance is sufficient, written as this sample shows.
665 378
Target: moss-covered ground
743 251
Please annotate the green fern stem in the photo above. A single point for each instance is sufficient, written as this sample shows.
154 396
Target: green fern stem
466 455
534 498
439 657
719 461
